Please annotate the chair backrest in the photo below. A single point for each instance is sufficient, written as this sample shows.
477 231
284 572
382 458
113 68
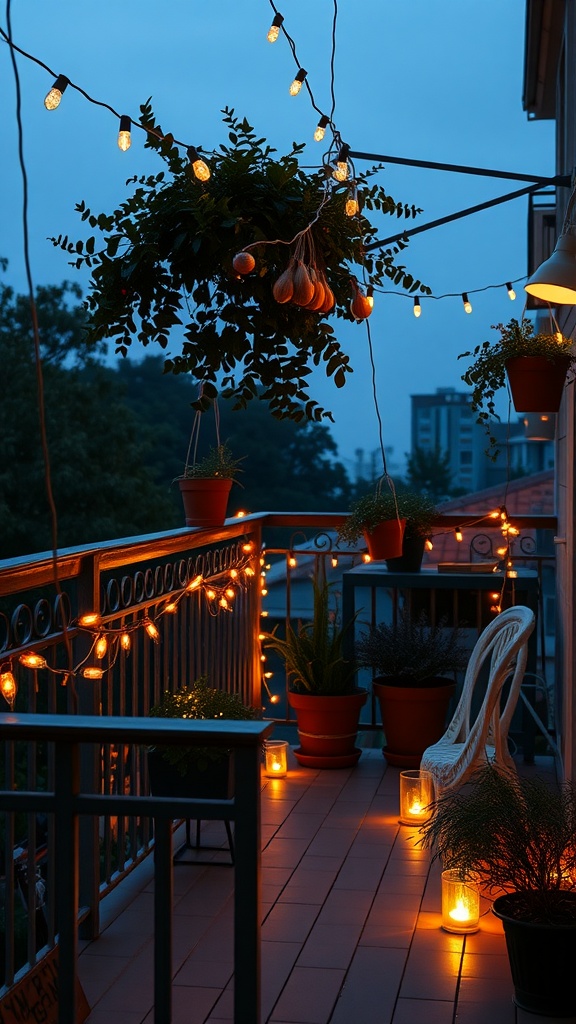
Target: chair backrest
503 648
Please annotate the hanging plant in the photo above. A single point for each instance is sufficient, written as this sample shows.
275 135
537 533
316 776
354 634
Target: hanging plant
243 267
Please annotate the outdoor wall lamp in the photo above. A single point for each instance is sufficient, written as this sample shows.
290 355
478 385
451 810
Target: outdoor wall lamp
555 280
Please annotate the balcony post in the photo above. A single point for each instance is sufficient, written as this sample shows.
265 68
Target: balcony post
247 889
66 789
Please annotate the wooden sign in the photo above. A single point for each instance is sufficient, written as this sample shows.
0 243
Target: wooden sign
34 1000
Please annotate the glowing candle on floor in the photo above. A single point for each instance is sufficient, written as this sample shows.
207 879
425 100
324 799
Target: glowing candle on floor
460 903
416 792
276 758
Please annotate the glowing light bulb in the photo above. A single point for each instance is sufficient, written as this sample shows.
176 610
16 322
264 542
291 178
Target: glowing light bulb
125 641
510 290
92 672
199 166
264 592
211 594
8 687
370 295
458 534
334 561
90 619
297 83
170 607
195 583
101 646
467 303
274 30
247 547
249 571
152 630
292 562
417 308
274 699
124 137
233 574
352 206
494 515
340 172
223 603
52 99
268 675
501 551
366 557
264 614
230 593
428 544
241 513
32 660
320 131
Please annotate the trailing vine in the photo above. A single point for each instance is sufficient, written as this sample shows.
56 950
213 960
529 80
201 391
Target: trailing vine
162 270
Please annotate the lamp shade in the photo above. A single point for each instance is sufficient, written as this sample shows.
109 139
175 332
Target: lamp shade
555 280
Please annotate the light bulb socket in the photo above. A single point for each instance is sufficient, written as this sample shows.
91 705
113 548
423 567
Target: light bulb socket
343 154
277 20
61 83
324 121
125 123
300 76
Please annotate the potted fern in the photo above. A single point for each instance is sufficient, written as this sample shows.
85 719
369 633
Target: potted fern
205 486
414 665
516 838
322 688
535 366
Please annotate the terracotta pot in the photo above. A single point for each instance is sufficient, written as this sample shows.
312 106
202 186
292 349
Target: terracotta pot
413 717
327 729
205 500
542 958
537 383
385 540
411 558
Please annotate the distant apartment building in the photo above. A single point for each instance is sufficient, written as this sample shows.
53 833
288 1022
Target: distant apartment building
445 421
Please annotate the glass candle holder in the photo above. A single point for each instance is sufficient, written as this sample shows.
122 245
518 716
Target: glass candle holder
276 759
460 903
416 794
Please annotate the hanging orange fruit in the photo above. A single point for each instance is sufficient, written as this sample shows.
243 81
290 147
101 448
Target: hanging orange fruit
329 299
303 287
283 288
360 306
243 263
319 295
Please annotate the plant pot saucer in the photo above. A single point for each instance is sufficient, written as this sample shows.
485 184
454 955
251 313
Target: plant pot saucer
401 760
325 761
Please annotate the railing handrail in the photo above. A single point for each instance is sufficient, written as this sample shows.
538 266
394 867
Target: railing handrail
116 728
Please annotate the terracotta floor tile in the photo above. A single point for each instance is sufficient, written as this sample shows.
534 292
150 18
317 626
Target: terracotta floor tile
488 1012
327 946
360 873
333 842
309 996
278 959
345 906
289 922
371 987
428 1011
191 1005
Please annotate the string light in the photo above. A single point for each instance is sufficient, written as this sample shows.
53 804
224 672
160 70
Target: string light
274 30
467 303
320 131
152 630
292 561
199 166
417 308
510 290
458 534
32 660
195 583
52 98
340 172
8 687
352 206
370 295
124 137
125 642
297 83
334 561
366 557
92 672
90 619
101 646
428 544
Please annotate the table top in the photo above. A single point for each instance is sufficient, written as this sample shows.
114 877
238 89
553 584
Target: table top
376 574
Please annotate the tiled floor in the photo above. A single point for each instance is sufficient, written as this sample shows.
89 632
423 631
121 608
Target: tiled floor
351 924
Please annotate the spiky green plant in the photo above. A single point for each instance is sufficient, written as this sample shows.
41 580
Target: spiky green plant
412 650
199 701
219 462
313 653
513 834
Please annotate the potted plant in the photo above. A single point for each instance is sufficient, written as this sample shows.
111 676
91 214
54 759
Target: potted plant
535 366
205 486
411 660
394 525
195 771
322 686
518 835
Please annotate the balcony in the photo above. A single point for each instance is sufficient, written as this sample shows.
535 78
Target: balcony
349 903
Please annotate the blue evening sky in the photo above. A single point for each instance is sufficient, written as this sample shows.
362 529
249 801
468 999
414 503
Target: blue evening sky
429 79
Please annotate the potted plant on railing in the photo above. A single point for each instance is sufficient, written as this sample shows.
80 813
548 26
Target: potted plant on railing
205 486
535 366
412 661
394 526
519 835
322 686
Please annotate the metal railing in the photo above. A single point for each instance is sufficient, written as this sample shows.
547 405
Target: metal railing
65 800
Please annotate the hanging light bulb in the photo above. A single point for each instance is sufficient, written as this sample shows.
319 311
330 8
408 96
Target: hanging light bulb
52 99
125 642
90 619
417 307
230 593
274 30
199 166
101 646
370 295
320 131
8 687
467 303
32 660
210 594
152 630
458 534
292 561
334 561
170 607
340 172
195 583
297 83
247 547
92 672
352 205
366 557
510 290
428 544
124 137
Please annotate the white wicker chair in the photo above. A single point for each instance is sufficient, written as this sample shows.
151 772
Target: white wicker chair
503 648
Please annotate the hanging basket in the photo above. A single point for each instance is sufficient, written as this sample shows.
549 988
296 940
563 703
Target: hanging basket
385 540
205 500
537 383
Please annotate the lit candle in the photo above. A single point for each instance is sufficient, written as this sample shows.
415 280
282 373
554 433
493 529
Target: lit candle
416 792
460 912
276 758
460 903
